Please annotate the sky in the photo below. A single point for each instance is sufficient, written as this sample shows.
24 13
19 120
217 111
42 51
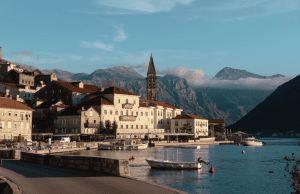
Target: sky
190 38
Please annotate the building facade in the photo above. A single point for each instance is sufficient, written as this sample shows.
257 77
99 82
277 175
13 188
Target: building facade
15 120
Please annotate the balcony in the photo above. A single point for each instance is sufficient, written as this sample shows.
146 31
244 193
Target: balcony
91 125
127 106
127 118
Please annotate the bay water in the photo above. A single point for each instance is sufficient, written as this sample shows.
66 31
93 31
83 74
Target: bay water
234 172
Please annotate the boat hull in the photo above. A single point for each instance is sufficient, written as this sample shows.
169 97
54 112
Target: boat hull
253 143
165 164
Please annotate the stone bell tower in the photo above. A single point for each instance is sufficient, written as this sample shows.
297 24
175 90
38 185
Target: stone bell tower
151 81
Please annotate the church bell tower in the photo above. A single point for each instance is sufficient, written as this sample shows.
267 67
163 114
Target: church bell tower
151 81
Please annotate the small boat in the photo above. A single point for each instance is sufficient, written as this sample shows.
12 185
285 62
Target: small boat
175 165
251 141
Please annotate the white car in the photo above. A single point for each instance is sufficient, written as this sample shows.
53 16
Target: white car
64 139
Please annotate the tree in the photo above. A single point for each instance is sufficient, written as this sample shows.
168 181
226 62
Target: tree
102 129
114 127
187 128
108 125
294 173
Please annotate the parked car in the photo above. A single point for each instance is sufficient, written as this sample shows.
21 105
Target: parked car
64 139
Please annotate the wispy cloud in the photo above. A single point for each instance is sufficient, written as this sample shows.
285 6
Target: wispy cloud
94 58
26 52
120 35
148 6
98 44
75 57
248 83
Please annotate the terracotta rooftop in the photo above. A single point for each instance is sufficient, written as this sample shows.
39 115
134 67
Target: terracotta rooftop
10 103
115 90
99 100
216 121
17 85
184 116
1 94
87 88
160 104
143 105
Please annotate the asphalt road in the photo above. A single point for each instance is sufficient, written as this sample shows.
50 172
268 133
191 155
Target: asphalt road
35 178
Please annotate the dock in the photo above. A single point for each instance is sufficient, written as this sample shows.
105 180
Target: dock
183 146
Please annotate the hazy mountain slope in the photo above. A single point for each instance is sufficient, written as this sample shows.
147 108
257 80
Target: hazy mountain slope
279 112
229 73
63 75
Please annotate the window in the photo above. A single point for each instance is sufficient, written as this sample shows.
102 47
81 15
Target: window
22 81
121 112
75 130
151 112
16 115
94 121
137 126
2 125
111 112
91 113
126 101
126 112
134 102
105 112
119 101
126 126
146 113
64 121
9 124
116 113
132 113
141 113
146 126
176 123
131 126
168 121
176 130
74 121
26 82
137 113
151 121
121 126
28 95
15 126
141 126
9 114
24 95
22 116
27 116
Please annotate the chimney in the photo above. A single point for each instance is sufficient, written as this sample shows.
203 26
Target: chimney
82 108
6 92
80 85
101 89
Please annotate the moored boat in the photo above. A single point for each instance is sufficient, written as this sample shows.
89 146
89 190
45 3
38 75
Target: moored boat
166 164
251 141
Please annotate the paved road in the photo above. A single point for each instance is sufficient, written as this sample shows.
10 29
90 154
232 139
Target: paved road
35 178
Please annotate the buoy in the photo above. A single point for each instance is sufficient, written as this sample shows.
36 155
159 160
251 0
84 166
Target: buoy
271 172
211 170
132 157
243 152
238 144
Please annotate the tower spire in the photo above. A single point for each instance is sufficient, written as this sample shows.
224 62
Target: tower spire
151 68
151 81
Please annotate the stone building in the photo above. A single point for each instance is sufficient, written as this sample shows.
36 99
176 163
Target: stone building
151 81
15 120
216 126
70 93
18 91
189 125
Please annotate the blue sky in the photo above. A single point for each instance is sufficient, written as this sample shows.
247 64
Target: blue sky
196 36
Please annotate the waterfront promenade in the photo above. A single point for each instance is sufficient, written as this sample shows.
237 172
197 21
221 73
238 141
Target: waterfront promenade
35 178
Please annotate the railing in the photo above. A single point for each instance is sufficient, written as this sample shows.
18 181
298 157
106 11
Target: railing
91 125
127 106
127 118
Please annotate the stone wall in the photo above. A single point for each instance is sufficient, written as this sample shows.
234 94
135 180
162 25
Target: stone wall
10 154
95 164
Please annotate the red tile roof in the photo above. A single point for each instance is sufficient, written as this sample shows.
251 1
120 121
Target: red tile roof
160 104
183 116
99 100
216 121
115 90
87 88
1 94
10 103
143 105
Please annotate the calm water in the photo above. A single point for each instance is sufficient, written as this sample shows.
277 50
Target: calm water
235 172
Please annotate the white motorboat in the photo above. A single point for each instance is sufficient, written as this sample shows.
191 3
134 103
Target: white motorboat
251 141
174 165
131 144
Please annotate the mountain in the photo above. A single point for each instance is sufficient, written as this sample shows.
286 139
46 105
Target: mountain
229 73
23 66
63 75
279 112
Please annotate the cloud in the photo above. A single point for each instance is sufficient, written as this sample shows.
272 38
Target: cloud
98 44
75 57
26 52
193 76
149 6
94 58
120 35
248 83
